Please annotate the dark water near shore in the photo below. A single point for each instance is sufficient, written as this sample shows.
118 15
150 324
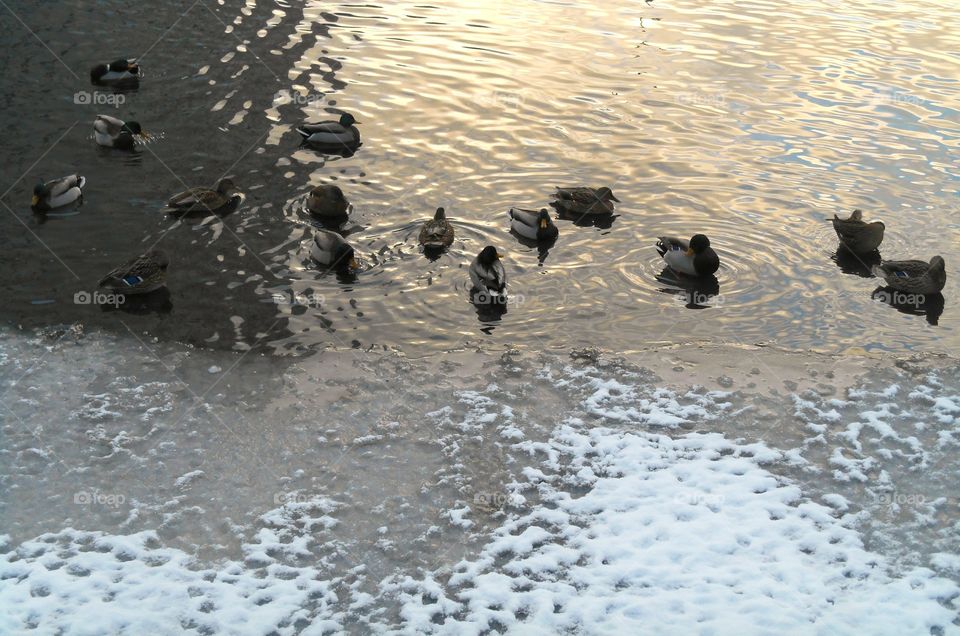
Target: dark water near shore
751 122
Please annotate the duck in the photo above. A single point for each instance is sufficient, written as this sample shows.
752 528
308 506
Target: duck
340 134
487 273
692 258
330 249
204 200
532 224
327 200
438 232
117 72
116 133
57 193
581 200
856 235
140 275
913 277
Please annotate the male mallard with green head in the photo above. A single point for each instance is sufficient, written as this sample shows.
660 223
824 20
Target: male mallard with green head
122 71
57 193
692 258
487 274
116 133
340 134
535 225
332 250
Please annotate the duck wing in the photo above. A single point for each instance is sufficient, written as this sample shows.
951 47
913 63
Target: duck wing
141 274
108 125
330 127
197 199
671 243
436 232
61 186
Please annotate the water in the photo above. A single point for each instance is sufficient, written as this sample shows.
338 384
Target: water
750 122
190 452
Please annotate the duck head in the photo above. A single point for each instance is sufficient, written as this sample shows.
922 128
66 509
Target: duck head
344 258
347 120
134 128
159 257
698 244
440 215
488 256
39 192
606 194
225 186
543 219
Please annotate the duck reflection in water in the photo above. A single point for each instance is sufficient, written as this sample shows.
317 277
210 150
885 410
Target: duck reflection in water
856 264
155 302
694 293
929 305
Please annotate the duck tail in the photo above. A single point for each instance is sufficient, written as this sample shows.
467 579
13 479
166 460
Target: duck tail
81 181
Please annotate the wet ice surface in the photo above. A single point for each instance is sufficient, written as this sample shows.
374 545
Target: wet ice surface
154 488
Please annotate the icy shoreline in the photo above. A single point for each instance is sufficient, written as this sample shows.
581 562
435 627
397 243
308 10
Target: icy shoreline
475 491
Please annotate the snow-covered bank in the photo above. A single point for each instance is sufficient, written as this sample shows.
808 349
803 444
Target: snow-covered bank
355 492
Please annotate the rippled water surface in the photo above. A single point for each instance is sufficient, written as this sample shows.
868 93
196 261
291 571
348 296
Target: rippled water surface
752 122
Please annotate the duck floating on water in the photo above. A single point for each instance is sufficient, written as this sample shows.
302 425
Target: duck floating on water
913 277
535 225
856 235
340 135
140 275
692 258
204 200
116 133
57 193
118 72
327 201
438 232
581 200
332 250
488 276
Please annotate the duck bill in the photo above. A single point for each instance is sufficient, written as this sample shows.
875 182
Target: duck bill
613 198
34 200
543 225
354 264
689 252
499 255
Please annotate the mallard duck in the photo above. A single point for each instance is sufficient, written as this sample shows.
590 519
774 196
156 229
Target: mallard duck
857 235
116 133
339 134
913 277
204 200
437 233
693 258
585 200
57 193
327 200
117 72
330 249
141 275
487 273
532 224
